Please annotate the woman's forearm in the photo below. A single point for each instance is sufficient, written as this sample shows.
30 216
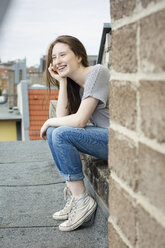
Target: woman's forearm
70 120
78 120
62 103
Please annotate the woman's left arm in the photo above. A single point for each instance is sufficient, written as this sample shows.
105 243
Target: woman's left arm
79 119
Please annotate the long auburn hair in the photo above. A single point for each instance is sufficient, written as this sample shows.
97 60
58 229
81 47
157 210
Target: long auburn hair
72 88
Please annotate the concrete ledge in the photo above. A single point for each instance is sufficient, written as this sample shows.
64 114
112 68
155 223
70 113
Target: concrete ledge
99 201
97 173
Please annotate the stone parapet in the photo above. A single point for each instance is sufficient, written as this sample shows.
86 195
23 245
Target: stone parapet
97 172
136 136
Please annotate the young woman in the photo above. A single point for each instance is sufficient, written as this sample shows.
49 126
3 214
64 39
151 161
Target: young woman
83 96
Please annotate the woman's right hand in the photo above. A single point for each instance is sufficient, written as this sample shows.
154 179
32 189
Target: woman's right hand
54 74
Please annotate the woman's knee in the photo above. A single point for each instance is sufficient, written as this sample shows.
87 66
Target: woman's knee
49 132
61 133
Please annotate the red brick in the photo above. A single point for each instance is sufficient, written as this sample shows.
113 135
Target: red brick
36 123
35 128
39 107
37 113
39 97
34 132
35 138
37 92
39 101
42 92
39 118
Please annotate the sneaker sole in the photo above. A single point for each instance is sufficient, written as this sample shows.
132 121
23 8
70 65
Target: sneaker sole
80 222
90 221
62 217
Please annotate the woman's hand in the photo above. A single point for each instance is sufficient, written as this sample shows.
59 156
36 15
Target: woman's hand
43 130
54 74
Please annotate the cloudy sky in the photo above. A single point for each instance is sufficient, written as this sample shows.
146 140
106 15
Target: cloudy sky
31 25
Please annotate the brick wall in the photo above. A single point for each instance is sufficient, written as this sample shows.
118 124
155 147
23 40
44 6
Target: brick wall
39 110
137 130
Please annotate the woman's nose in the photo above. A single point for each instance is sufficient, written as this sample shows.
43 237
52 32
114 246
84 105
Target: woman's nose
58 60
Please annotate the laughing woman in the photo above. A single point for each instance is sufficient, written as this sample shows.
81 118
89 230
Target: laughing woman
83 96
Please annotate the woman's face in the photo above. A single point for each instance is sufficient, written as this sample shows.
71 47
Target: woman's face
64 61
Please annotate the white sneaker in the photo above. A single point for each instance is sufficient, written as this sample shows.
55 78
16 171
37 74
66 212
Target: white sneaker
63 214
82 210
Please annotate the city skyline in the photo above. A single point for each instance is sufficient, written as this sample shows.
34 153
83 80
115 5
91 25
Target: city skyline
30 26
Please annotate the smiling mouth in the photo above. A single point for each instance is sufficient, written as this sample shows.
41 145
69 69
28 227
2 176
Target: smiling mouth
61 68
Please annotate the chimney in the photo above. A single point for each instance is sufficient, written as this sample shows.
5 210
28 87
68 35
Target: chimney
12 95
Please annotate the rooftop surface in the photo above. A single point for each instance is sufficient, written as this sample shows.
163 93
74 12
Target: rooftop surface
31 190
6 115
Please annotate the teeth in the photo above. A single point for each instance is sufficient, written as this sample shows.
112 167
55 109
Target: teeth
61 68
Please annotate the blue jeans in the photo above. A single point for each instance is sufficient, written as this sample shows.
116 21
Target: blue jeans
66 142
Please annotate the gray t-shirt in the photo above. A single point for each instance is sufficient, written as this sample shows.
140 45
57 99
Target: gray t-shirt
97 86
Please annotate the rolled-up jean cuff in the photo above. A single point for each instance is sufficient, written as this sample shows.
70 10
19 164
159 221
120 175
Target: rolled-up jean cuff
70 177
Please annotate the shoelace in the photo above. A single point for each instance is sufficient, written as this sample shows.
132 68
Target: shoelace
68 197
73 209
74 204
65 207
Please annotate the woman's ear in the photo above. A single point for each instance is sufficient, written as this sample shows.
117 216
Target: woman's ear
79 59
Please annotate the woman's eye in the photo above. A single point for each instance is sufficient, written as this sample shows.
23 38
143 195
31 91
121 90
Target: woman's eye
62 55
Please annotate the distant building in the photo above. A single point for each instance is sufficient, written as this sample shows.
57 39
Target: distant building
11 73
19 68
10 123
34 77
92 59
42 64
4 78
35 74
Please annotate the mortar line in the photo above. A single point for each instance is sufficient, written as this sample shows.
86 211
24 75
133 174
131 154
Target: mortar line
119 231
138 137
138 123
116 24
137 76
141 200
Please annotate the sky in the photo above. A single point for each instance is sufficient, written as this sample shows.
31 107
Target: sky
31 25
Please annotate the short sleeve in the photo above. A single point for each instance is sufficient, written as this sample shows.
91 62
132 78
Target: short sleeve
97 84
